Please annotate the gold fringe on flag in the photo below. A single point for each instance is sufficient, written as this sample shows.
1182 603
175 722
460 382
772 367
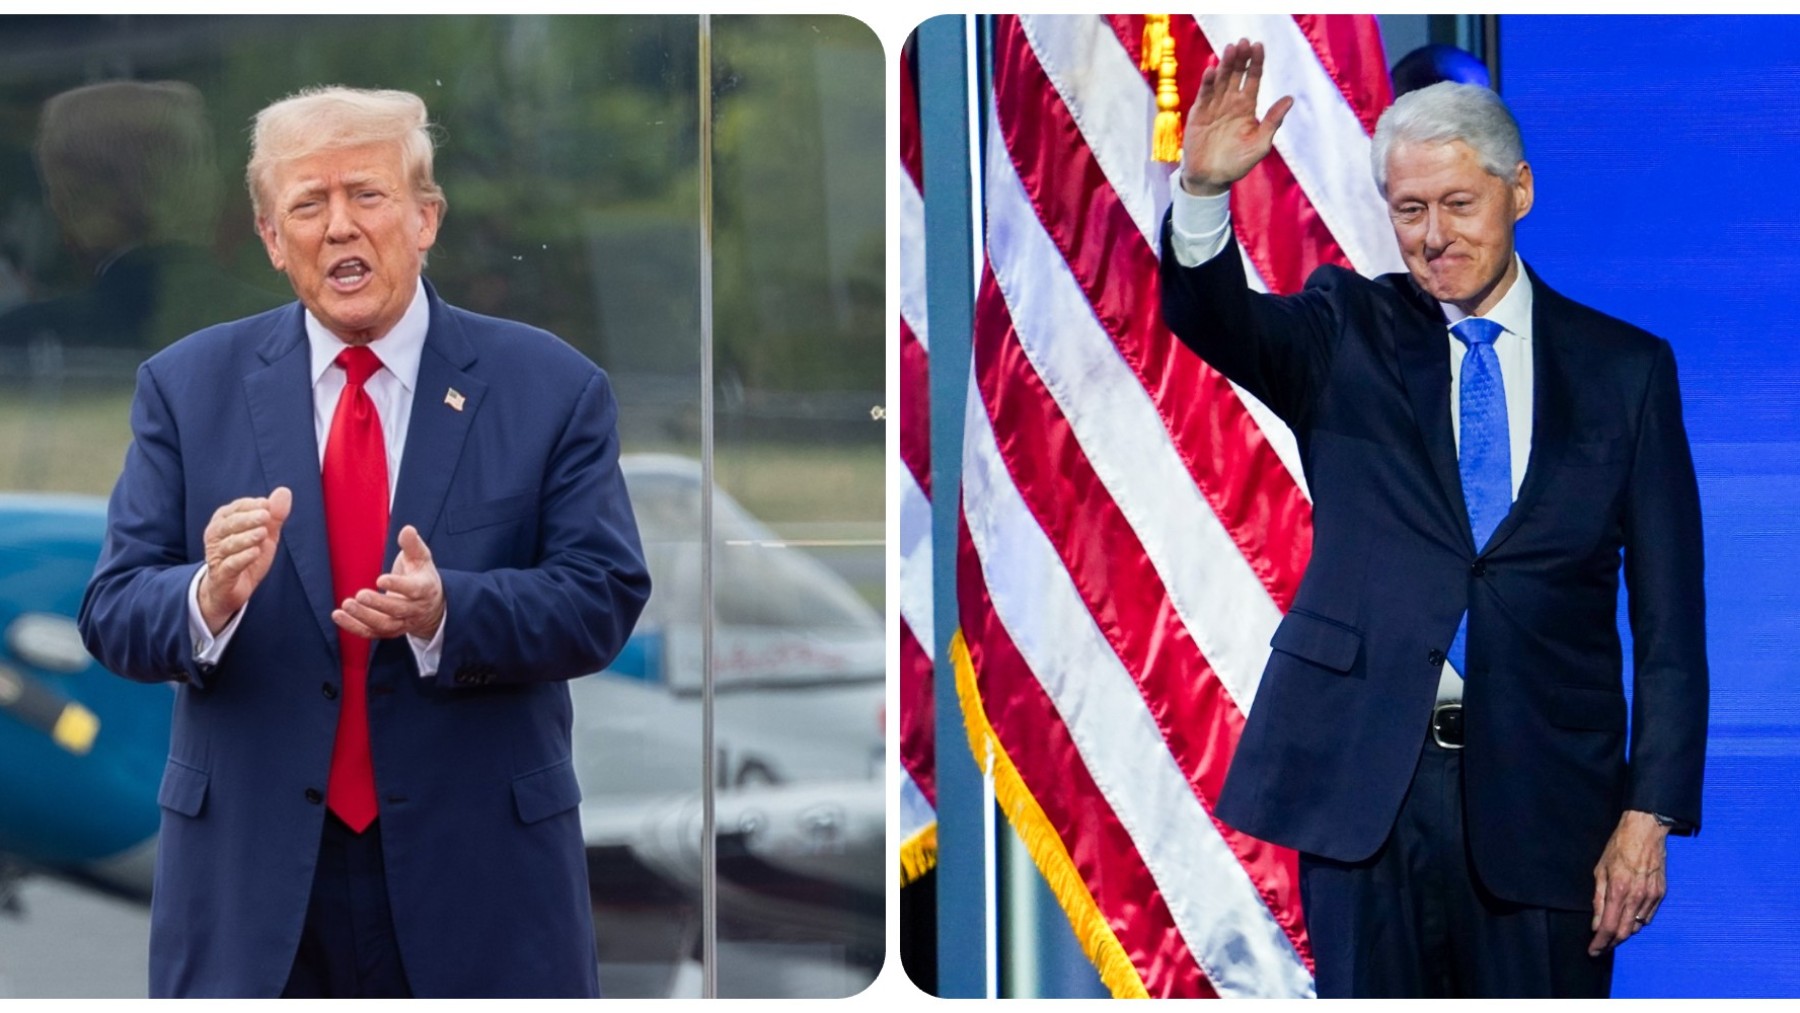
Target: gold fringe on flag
918 854
1043 843
1159 55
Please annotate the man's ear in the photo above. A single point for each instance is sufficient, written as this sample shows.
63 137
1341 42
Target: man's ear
1522 192
266 230
430 213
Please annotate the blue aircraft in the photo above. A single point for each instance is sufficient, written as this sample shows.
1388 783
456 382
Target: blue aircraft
81 750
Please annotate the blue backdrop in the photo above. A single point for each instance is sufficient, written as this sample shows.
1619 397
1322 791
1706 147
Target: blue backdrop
1665 152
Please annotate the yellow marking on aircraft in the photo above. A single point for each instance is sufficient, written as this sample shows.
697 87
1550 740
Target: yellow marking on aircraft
75 729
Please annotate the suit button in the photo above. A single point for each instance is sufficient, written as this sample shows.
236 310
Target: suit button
330 691
313 795
1435 658
1479 569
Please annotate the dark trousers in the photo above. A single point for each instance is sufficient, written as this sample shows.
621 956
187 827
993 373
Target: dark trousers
348 949
1414 921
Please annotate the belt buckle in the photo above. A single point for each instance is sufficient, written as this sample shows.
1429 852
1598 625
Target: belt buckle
1438 715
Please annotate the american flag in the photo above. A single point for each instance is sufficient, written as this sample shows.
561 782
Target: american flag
1133 526
918 743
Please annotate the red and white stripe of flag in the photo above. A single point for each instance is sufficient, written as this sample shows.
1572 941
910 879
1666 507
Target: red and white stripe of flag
918 741
1133 526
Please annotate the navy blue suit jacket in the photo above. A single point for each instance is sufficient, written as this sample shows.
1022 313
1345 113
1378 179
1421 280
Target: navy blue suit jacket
520 498
1360 370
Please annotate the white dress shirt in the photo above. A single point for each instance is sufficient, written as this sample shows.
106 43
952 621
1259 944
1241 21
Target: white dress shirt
1200 227
391 389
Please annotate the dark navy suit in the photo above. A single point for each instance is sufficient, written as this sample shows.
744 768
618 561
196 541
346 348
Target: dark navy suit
520 498
1359 369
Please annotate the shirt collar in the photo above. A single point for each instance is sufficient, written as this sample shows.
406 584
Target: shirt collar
398 349
1513 311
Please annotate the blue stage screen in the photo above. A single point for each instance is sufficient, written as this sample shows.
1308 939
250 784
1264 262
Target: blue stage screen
1665 153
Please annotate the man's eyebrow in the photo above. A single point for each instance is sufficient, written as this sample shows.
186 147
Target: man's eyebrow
308 187
302 188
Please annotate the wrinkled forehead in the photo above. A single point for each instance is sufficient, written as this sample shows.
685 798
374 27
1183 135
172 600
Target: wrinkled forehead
1432 167
377 162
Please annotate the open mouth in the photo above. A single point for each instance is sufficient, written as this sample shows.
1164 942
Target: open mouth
349 275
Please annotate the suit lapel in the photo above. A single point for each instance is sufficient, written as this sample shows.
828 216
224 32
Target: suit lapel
1424 350
434 436
1552 401
281 416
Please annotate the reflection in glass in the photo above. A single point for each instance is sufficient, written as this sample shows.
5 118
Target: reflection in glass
799 649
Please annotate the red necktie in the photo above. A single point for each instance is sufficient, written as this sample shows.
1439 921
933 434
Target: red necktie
356 519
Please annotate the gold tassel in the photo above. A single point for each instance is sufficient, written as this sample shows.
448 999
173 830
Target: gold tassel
1165 145
1156 36
1042 842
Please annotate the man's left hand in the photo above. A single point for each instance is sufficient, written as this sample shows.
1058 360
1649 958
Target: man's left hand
1628 882
408 600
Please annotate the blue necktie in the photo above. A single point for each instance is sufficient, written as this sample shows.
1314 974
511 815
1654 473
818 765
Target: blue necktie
1485 457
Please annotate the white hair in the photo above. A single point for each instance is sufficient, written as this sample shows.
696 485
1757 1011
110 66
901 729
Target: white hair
1450 111
318 119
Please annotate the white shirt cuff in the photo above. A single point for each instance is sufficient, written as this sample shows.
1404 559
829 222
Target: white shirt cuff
1200 225
426 654
207 647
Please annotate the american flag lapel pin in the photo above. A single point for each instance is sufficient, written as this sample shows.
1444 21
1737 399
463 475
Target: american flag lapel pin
454 398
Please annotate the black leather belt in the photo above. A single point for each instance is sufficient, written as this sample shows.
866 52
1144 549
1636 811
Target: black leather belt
1447 725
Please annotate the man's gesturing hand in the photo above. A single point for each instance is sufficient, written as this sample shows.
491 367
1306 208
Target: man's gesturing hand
1224 140
240 544
408 600
1628 882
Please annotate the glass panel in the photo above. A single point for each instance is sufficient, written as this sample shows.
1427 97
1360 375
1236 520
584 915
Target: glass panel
800 660
568 150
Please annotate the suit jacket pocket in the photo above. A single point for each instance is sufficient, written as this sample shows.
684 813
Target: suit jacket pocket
469 516
183 788
547 791
1318 640
1587 708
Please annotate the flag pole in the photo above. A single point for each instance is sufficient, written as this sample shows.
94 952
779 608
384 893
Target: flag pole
990 955
949 160
977 228
990 846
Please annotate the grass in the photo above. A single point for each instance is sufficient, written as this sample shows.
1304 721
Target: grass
73 443
804 484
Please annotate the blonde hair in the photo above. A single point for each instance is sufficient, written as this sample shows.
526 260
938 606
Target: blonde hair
321 118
